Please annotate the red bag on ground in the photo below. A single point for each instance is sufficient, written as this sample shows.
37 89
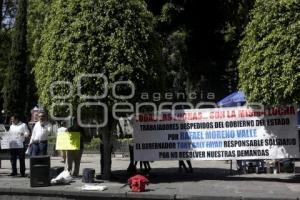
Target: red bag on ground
138 183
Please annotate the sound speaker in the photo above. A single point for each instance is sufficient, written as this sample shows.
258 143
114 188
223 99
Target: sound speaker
39 171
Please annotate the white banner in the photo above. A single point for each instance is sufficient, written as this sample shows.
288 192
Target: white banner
11 141
236 133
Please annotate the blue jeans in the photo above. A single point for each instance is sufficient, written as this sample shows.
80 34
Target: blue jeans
39 148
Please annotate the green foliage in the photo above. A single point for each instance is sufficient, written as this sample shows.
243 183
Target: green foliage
5 46
52 139
170 14
175 55
237 14
126 140
200 45
15 80
8 12
38 12
94 144
269 61
108 37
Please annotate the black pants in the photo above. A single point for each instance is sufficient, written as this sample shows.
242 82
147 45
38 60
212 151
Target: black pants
14 154
182 165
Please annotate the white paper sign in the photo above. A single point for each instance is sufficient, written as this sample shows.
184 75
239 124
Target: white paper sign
11 141
237 133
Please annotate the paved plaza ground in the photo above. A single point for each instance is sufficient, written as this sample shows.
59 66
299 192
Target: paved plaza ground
210 180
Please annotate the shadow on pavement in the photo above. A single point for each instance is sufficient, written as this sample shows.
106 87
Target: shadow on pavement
168 175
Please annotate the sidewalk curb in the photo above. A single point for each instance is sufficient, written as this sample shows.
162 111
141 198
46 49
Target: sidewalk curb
42 193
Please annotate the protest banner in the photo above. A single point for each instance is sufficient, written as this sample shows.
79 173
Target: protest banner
68 141
236 133
11 140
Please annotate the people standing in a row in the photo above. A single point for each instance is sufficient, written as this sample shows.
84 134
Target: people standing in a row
19 128
39 138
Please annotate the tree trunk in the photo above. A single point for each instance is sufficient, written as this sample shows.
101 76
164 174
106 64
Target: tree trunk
107 148
188 88
16 80
1 13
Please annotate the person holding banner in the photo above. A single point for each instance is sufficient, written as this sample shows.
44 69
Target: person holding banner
20 129
63 129
39 137
74 156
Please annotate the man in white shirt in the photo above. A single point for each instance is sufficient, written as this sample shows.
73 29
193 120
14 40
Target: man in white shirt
21 129
39 137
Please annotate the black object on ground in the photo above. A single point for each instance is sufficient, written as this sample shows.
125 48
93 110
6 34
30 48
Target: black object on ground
39 171
287 165
88 175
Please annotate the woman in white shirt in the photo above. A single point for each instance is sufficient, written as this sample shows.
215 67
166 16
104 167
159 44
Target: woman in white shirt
21 129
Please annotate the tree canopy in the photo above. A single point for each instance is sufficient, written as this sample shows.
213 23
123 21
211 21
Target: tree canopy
16 76
269 61
93 37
